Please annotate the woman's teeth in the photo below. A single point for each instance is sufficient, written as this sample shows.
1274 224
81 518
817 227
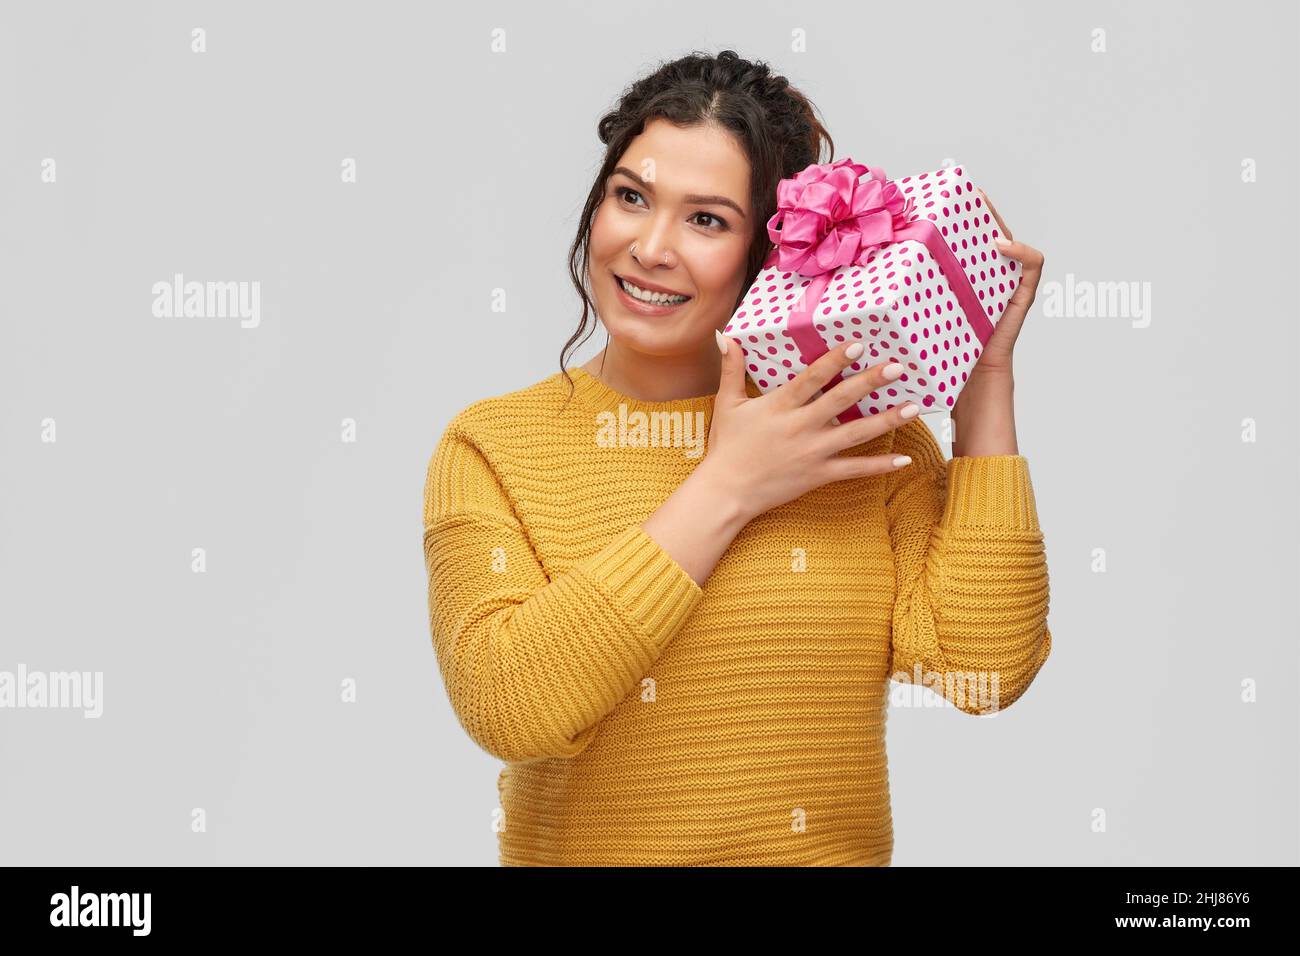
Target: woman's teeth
654 298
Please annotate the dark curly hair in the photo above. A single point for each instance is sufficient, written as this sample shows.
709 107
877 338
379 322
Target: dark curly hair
775 124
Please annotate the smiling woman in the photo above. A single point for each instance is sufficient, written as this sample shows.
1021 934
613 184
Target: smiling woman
683 658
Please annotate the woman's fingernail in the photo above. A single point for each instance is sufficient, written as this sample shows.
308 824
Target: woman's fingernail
854 350
892 371
902 460
1003 243
908 410
722 341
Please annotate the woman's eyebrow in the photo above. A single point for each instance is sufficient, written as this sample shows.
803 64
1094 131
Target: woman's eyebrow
693 200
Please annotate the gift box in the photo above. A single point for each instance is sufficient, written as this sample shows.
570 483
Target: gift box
908 267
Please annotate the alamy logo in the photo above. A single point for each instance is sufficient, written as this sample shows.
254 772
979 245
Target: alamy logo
963 689
651 430
1085 299
179 299
67 690
102 909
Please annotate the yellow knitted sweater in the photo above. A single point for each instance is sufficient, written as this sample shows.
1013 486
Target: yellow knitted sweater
645 720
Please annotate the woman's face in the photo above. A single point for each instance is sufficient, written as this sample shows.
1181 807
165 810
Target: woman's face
680 194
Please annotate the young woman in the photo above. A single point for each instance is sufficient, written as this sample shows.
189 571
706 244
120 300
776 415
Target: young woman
684 657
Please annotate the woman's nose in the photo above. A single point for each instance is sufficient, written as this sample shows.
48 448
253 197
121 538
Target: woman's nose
651 251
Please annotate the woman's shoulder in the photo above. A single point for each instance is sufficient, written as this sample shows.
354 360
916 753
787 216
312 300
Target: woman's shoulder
492 439
516 414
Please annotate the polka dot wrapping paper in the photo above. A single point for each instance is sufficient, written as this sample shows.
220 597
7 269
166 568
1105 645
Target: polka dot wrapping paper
924 290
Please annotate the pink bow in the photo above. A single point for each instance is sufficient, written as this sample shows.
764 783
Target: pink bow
827 219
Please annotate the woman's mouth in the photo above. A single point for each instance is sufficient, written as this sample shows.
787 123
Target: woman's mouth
649 303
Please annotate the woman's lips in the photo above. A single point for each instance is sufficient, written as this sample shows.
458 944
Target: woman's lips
643 308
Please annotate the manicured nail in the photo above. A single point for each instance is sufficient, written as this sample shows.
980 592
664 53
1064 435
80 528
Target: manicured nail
854 350
722 341
902 460
908 410
892 371
1003 243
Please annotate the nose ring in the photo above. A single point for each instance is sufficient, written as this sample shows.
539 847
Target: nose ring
632 250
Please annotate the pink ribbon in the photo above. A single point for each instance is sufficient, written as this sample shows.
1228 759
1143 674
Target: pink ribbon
826 220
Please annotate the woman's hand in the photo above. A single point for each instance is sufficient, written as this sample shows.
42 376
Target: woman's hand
774 448
996 357
983 417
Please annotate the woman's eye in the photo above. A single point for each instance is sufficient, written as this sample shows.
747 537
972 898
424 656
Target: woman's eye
722 223
624 191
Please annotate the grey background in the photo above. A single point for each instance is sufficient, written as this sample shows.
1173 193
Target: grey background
222 689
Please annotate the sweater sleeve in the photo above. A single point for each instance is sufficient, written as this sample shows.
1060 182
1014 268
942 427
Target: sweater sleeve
533 662
970 613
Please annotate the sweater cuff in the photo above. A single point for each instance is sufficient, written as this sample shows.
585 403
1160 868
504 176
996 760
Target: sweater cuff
653 588
990 491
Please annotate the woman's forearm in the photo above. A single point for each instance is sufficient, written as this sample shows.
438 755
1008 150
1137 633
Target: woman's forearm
984 419
698 522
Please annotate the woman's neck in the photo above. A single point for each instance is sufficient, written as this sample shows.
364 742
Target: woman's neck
653 378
